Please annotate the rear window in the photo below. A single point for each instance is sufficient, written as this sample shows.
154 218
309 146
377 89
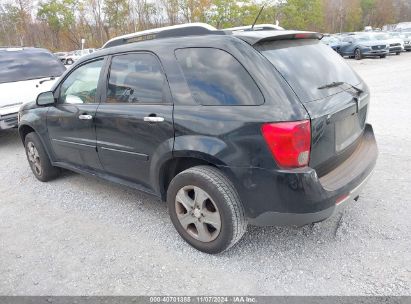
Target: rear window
216 78
308 65
19 65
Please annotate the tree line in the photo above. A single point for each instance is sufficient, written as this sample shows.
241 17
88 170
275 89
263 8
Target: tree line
61 24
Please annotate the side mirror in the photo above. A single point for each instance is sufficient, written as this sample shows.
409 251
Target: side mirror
45 99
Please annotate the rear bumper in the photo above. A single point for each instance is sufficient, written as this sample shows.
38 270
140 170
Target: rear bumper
299 197
8 121
301 219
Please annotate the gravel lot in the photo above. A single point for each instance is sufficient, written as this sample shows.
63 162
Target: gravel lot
82 236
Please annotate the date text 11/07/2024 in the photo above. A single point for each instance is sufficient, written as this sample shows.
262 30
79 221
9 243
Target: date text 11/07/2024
221 299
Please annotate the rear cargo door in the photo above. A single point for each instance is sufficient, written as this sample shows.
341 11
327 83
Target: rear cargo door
338 112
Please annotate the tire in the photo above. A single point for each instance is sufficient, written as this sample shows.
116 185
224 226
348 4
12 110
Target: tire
383 56
38 159
398 53
69 61
357 54
218 199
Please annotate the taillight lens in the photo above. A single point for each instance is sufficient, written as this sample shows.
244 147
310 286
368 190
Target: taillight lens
289 142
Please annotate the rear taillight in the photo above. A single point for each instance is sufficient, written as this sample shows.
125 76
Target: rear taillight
289 142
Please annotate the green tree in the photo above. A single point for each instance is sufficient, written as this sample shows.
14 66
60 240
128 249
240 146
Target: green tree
225 13
353 16
59 15
117 15
303 14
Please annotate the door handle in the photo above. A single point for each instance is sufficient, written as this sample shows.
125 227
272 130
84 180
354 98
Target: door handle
153 119
85 117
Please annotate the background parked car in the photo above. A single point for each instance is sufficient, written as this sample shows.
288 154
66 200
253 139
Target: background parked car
24 73
407 41
62 56
76 55
333 42
360 46
405 38
396 43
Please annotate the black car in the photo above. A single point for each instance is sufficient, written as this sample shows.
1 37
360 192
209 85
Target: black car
253 127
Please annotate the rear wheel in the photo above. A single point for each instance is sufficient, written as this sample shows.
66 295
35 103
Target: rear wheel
69 61
398 53
383 56
358 54
38 159
205 209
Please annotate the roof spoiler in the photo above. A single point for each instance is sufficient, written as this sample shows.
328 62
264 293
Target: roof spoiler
259 37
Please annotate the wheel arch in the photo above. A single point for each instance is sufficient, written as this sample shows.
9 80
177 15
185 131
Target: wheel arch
180 162
25 129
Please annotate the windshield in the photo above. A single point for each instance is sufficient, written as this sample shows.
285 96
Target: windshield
308 65
381 37
330 40
363 38
19 65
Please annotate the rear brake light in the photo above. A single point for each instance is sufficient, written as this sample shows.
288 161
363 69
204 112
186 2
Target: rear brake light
289 142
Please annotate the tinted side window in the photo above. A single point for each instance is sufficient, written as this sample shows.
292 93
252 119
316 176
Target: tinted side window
135 78
217 78
81 85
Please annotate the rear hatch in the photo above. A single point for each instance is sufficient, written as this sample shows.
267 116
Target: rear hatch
333 94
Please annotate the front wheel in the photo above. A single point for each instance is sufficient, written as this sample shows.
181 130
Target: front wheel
69 61
398 53
205 209
38 159
383 56
357 54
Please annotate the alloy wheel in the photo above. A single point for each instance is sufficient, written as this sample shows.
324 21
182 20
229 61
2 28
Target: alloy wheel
197 213
34 158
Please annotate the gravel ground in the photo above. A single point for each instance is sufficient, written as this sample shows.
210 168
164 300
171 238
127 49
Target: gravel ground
81 236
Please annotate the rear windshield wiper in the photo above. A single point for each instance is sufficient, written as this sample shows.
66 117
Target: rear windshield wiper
340 83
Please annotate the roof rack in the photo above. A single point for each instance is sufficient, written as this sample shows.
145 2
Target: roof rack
257 27
189 29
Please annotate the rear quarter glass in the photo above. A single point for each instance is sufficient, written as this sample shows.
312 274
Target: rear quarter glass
308 64
216 78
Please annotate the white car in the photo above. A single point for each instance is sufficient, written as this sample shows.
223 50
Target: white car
405 37
62 56
76 55
24 73
396 43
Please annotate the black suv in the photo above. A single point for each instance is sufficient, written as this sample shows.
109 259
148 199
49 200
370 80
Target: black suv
230 128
